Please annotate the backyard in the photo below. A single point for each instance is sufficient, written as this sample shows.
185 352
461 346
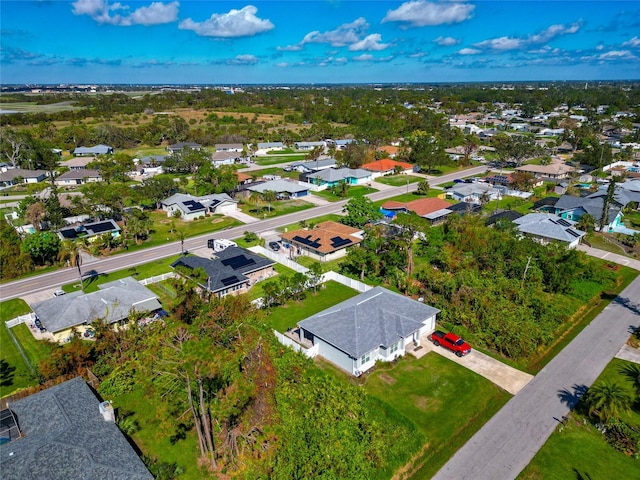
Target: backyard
585 453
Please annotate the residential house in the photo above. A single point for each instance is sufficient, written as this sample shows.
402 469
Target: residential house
150 165
556 169
455 153
243 178
90 230
341 144
311 165
473 192
375 325
310 145
66 432
501 216
180 146
332 177
326 241
78 177
225 158
112 304
435 210
390 151
78 163
13 176
265 147
229 147
93 151
546 228
283 187
387 166
232 271
191 207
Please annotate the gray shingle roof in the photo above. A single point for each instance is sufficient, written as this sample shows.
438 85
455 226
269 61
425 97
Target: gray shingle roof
337 174
229 268
190 204
95 150
369 320
278 186
548 226
113 302
315 164
66 438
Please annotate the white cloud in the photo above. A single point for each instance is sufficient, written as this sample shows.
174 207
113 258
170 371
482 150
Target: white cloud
469 51
365 57
600 47
554 31
289 48
502 43
235 23
155 13
418 54
447 41
345 34
634 42
341 60
243 60
420 13
370 42
618 55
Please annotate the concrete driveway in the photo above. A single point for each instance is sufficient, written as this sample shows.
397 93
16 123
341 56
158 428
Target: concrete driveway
504 376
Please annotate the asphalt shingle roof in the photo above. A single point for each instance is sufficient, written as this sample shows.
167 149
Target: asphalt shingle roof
337 174
278 186
548 226
229 268
113 302
66 438
375 318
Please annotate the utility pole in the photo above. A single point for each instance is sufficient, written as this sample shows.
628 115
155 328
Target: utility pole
525 272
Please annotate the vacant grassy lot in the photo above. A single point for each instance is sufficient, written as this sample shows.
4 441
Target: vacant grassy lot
324 218
578 450
151 269
277 208
14 372
353 191
398 180
286 316
274 171
275 159
447 402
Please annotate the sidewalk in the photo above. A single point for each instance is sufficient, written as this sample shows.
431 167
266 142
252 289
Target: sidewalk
610 257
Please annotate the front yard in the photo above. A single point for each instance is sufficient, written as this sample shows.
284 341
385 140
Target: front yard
585 453
353 191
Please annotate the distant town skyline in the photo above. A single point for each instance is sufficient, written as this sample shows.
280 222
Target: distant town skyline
310 41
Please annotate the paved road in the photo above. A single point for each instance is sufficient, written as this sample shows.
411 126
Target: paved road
126 260
611 257
506 444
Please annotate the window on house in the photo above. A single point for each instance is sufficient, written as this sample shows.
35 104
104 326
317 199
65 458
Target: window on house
394 347
365 358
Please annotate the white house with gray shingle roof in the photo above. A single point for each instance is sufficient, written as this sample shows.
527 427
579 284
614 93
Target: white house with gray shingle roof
375 325
546 227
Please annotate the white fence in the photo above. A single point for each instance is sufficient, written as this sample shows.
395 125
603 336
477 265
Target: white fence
157 278
20 319
284 340
349 282
276 257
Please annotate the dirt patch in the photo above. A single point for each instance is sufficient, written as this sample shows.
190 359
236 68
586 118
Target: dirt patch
412 465
388 379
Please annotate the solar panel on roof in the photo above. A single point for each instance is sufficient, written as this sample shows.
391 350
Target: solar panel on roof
563 222
192 205
573 233
100 227
337 242
238 261
229 281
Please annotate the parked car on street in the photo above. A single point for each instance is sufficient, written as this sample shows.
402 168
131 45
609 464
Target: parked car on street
450 341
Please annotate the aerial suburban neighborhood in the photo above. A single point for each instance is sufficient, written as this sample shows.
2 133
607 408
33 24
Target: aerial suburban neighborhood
364 252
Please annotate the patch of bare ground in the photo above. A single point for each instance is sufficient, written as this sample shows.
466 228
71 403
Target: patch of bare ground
411 466
388 379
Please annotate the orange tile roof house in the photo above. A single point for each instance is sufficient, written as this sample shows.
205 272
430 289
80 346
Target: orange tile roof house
433 209
327 241
386 166
390 150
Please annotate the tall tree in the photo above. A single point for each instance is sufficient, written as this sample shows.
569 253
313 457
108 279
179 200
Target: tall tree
360 211
42 246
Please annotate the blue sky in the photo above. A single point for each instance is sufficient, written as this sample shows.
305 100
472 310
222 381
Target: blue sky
334 41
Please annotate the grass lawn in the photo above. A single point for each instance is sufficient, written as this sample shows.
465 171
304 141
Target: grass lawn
326 266
14 372
159 423
353 191
165 229
334 217
257 292
276 159
286 316
597 240
409 197
578 450
36 350
398 180
274 171
151 269
447 402
279 207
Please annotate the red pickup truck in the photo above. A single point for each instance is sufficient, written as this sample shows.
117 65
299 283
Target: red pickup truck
450 341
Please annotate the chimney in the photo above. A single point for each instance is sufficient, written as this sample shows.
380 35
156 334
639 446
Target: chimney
106 410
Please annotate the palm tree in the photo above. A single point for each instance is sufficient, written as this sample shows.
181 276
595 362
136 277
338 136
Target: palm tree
608 400
269 196
256 198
